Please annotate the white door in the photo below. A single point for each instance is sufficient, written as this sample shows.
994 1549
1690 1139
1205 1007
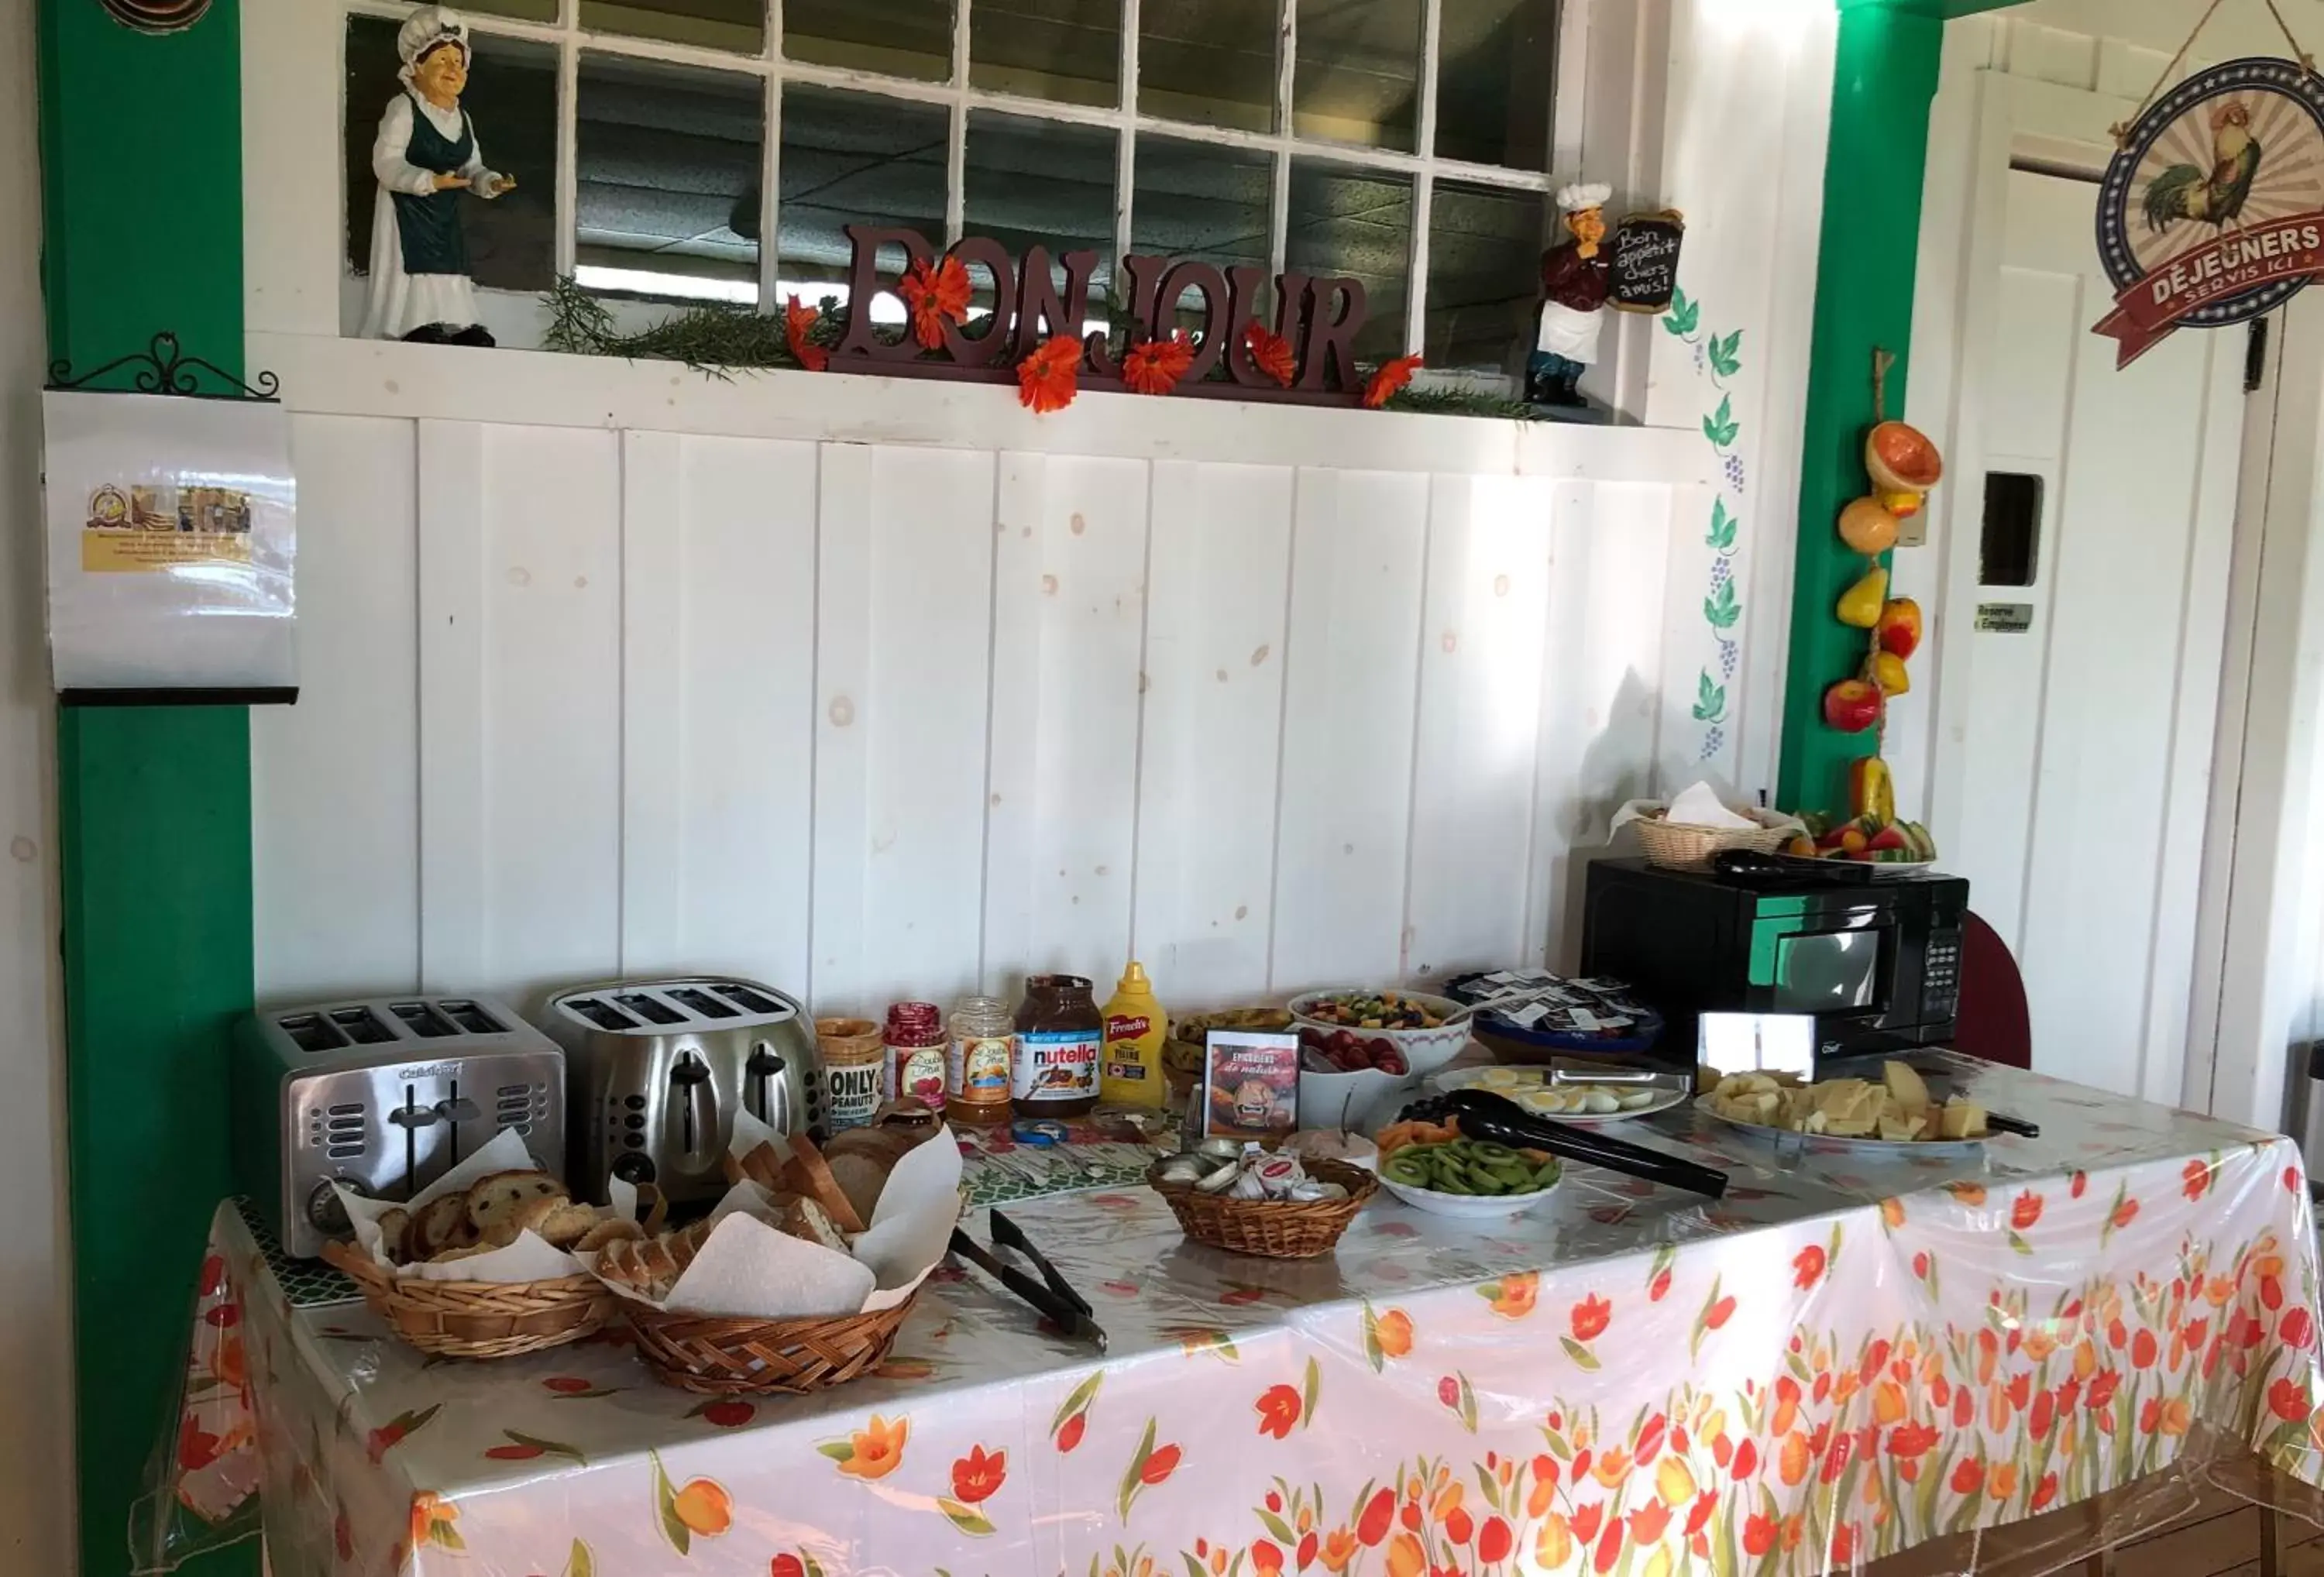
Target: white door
2095 630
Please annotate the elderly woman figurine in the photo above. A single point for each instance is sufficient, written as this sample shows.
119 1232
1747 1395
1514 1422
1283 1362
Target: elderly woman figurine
425 156
1573 283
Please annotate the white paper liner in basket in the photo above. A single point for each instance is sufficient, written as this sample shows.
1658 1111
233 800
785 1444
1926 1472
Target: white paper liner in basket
1705 804
747 1269
531 1258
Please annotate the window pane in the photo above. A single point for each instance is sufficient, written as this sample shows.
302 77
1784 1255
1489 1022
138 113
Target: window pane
1484 276
1498 62
854 159
1068 50
1193 200
670 163
512 105
522 10
1347 223
1042 183
1357 78
903 38
1210 61
714 25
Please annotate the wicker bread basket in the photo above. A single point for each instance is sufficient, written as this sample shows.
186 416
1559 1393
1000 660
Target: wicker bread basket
720 1356
476 1319
1274 1229
1683 847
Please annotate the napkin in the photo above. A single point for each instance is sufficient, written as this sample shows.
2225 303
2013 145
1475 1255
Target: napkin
1703 804
530 1258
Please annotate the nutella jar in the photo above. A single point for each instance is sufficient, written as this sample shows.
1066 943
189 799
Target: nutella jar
1059 1034
917 1043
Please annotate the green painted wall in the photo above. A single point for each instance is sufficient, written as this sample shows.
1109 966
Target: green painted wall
141 142
1884 76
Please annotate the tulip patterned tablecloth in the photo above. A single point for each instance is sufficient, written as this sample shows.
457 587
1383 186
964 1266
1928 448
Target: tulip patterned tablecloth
1834 1364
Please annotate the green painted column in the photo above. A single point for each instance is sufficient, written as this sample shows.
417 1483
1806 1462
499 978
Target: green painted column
1884 76
140 144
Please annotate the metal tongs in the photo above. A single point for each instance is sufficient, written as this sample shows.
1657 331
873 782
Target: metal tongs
1053 1296
1501 1120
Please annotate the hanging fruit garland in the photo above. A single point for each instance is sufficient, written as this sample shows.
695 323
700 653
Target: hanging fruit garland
1903 466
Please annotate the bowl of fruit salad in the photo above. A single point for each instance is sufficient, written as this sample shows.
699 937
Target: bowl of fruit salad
1423 1032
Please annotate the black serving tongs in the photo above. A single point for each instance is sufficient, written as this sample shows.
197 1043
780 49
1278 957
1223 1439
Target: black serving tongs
1053 1296
1501 1120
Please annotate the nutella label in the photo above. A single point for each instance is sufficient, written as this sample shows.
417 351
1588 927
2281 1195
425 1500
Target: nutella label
852 1093
1055 1065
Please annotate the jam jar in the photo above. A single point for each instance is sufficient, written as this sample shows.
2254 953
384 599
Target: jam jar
1059 1035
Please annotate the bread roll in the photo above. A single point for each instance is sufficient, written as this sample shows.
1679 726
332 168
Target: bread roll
860 1159
494 1198
807 1173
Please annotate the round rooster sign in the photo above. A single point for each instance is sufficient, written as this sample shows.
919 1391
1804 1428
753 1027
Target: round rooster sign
2213 211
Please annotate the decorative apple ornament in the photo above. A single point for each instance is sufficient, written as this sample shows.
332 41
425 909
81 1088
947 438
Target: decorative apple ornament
1899 630
1851 705
1868 525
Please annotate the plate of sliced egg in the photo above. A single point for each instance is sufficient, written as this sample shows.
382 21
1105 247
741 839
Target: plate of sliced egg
1569 1100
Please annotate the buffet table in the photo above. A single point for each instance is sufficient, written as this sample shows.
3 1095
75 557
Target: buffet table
1838 1361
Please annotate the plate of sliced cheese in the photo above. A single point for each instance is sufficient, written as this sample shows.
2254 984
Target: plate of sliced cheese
1568 1101
1896 1112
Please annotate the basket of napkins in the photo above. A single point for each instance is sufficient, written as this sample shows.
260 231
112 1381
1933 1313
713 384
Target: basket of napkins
1684 834
794 1283
485 1261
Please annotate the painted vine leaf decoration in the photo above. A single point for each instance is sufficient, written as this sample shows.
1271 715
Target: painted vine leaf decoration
1720 608
1722 427
1724 527
1683 315
1722 354
1710 700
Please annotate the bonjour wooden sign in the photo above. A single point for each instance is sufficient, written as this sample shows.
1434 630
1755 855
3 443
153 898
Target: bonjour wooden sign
1305 353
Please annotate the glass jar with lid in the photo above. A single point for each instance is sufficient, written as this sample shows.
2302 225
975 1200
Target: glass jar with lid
981 1060
1059 1034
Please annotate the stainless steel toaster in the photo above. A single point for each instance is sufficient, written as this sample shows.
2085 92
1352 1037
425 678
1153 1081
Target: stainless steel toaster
659 1069
383 1095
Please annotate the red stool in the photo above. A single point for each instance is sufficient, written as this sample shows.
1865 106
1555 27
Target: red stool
1992 1023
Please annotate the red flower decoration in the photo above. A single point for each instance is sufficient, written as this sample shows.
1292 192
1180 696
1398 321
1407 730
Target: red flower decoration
1910 1440
2081 1180
1070 1435
978 1475
2102 1389
2027 1211
1154 367
1716 1315
2297 1327
2195 1179
1391 377
1045 379
798 318
1658 1287
1278 1410
197 1448
1746 1460
1271 353
2288 1400
2045 1491
2124 1214
1495 1541
2143 1349
1266 1558
1758 1535
1968 1477
1648 1522
934 297
1373 1524
1807 1266
787 1565
1590 1317
1160 1466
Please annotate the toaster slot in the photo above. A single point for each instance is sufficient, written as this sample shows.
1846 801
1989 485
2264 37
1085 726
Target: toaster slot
360 1026
653 1010
750 1001
310 1032
604 1015
471 1018
425 1023
703 1002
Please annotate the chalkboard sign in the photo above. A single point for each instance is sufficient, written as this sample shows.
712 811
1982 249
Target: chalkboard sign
1644 274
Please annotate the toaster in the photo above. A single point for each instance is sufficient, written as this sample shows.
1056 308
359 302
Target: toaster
383 1096
659 1068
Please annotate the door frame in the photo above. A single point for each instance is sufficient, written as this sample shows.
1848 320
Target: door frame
2008 121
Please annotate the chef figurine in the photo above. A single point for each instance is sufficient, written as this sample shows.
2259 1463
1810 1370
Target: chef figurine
1573 282
425 157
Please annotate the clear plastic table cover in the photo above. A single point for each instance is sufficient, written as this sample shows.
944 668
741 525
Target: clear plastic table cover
1835 1363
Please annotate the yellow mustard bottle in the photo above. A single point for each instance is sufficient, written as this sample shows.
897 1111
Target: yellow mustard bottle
1129 1064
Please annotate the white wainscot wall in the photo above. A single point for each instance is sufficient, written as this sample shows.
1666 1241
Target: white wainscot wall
870 719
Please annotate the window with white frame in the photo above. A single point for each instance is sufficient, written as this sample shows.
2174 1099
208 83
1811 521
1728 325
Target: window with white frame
712 149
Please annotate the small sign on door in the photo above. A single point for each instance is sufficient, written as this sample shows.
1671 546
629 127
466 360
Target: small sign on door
2006 618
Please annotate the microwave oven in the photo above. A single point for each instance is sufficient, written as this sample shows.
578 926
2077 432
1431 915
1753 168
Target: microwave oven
1877 963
